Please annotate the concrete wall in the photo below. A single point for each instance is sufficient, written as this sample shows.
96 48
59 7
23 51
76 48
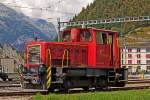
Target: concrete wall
8 65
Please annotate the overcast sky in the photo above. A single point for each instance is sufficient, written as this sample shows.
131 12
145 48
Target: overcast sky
57 8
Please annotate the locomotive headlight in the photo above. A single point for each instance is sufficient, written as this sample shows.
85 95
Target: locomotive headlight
41 66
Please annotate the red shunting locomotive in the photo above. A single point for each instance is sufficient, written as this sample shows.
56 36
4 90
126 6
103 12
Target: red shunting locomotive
85 58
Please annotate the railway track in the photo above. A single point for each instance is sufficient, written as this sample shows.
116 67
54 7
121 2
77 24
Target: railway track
45 92
128 88
4 84
23 93
131 85
12 85
110 89
9 82
18 84
135 81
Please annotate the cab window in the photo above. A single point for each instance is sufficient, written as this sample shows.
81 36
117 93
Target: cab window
110 39
101 38
34 54
104 38
66 37
86 36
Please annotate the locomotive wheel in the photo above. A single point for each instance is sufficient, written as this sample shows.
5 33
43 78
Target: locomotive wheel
10 79
51 89
101 84
31 86
99 88
4 79
64 90
120 84
43 86
85 88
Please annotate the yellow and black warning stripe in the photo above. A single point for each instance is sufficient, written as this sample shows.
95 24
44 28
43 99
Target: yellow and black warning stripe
48 70
48 77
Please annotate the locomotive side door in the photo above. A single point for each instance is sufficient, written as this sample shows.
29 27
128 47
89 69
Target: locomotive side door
104 43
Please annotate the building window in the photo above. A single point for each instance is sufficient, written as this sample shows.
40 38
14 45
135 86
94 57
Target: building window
122 56
148 68
122 62
147 61
147 49
138 50
129 61
129 55
147 55
138 56
129 50
130 70
138 70
138 61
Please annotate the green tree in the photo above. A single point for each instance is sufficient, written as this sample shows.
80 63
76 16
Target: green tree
101 9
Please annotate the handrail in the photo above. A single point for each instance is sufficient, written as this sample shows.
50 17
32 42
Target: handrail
65 52
50 57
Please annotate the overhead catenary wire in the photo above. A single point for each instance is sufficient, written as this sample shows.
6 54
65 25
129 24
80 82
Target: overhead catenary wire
87 22
106 21
41 9
56 3
70 15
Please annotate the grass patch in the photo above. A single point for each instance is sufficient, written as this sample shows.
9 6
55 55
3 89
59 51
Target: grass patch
137 36
117 95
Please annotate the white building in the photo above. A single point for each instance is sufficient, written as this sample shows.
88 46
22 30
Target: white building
136 58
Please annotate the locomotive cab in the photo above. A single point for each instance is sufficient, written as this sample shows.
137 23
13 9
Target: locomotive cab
103 49
77 35
85 58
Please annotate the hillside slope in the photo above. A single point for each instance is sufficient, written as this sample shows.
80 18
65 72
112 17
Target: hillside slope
103 9
16 28
137 37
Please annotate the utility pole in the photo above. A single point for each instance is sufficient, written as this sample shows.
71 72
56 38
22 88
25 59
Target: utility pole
124 58
58 21
124 52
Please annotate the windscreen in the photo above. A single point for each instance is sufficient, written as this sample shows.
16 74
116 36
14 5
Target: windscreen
86 36
34 54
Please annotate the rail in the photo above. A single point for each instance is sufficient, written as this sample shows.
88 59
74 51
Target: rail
23 93
45 92
27 92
